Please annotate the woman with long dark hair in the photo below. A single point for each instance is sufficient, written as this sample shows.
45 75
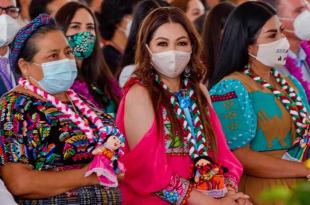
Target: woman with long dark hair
262 112
176 151
212 34
95 81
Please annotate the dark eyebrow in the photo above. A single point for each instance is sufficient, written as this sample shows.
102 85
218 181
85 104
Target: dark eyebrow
272 31
53 50
75 23
162 38
181 38
90 24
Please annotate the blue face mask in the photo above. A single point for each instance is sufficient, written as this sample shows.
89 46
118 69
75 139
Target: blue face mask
58 76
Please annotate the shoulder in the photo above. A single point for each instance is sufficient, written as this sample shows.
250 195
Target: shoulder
138 96
228 85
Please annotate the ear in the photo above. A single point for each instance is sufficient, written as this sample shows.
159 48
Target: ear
252 49
24 67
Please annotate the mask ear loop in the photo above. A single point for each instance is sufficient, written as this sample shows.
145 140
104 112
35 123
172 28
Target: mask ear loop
148 48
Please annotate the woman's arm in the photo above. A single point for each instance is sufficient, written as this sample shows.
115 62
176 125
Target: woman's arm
24 182
260 165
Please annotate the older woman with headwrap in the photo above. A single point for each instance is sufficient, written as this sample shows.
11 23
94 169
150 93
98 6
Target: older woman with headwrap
48 133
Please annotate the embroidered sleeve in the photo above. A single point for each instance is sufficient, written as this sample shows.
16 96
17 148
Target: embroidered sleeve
177 192
13 129
231 182
233 106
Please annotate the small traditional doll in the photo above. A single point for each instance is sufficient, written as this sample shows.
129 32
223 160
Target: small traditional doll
105 163
300 151
209 177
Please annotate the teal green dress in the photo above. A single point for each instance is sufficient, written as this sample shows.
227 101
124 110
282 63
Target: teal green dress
252 116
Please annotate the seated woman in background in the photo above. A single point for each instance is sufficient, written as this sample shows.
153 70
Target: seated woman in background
212 34
192 8
176 151
48 132
115 20
95 81
142 9
257 105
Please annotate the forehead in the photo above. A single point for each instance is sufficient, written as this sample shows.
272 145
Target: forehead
272 23
170 31
195 4
82 15
286 7
52 40
7 3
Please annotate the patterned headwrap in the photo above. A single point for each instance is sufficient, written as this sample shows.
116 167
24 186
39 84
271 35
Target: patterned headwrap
24 34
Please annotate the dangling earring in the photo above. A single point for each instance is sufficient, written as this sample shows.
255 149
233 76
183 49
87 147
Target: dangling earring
187 72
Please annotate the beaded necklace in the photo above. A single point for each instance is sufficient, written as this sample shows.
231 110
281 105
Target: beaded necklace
292 102
192 126
103 130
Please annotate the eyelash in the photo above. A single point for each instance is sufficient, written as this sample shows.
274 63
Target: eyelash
182 43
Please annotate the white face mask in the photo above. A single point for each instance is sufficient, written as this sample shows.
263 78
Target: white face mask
302 25
9 28
170 63
273 54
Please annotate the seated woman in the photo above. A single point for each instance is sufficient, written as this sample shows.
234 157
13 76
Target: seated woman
95 81
262 111
48 132
176 151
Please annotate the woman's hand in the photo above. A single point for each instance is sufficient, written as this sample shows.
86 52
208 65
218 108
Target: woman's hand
240 201
235 199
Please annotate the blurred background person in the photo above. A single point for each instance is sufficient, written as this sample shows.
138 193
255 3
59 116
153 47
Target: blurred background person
94 5
212 34
95 81
128 60
23 5
192 8
115 20
9 26
295 16
49 7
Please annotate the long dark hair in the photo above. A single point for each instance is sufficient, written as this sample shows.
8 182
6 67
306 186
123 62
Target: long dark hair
212 32
145 72
142 9
94 69
241 30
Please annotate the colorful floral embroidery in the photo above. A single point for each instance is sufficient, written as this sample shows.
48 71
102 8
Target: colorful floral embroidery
35 132
174 144
176 191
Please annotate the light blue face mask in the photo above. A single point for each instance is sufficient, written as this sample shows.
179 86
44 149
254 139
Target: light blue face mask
58 76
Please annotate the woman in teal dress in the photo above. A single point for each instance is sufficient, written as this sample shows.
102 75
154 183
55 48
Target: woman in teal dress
262 112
